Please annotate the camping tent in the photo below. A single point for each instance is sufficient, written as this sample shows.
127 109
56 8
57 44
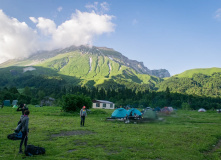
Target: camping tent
150 114
201 110
119 113
157 109
171 109
7 103
132 111
14 102
165 110
15 106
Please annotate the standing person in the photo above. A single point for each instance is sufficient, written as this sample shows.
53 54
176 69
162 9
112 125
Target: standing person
83 114
24 130
22 108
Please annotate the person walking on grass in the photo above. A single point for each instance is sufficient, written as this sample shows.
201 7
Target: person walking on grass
24 130
83 114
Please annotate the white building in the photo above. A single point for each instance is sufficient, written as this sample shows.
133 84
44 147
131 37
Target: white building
103 104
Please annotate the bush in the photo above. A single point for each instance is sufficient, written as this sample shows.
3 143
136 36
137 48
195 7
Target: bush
74 103
185 106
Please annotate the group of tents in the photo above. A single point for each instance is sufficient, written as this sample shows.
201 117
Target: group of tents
146 114
8 103
133 112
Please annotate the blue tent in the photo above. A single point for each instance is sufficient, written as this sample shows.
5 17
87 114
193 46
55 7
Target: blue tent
132 111
157 109
14 102
119 113
7 103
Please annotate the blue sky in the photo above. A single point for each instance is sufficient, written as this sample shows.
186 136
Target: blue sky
176 35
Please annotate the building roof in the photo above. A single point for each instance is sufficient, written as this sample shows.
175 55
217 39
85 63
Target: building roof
102 101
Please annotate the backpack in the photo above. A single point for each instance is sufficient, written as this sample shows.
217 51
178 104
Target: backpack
18 128
33 150
15 136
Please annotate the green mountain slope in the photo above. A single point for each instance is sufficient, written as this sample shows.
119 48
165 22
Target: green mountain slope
83 66
202 82
93 67
206 71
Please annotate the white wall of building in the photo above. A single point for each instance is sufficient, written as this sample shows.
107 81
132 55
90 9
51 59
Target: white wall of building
103 105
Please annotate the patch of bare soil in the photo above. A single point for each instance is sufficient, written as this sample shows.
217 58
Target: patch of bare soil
72 150
70 133
80 143
217 146
100 145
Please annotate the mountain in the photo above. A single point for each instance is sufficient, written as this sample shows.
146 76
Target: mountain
90 66
113 55
201 82
103 67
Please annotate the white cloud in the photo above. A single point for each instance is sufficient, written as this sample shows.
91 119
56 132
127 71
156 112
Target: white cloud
16 38
105 6
33 19
46 26
218 14
59 9
92 6
79 30
98 8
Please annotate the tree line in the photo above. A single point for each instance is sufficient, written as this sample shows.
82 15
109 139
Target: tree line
122 96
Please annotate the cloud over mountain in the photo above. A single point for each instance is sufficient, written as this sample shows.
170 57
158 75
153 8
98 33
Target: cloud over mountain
17 39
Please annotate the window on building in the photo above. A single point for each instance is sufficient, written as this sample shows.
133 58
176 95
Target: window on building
104 105
97 104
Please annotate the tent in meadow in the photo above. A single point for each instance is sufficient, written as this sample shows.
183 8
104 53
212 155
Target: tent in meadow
171 109
131 112
165 110
14 102
157 109
119 113
201 110
150 114
15 106
7 103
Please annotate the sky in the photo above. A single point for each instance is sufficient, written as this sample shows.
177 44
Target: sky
163 34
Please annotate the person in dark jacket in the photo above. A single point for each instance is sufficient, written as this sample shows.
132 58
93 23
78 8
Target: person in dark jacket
24 120
83 114
22 108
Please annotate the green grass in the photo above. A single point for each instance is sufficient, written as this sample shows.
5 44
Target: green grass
206 71
186 135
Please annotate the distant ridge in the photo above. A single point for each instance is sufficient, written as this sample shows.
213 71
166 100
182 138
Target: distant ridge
206 71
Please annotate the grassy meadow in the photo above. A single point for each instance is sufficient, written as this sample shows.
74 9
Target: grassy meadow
185 135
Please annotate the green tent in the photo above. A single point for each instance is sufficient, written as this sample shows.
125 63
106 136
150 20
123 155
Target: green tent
150 114
15 106
7 103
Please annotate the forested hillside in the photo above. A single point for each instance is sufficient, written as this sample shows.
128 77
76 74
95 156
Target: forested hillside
199 84
30 85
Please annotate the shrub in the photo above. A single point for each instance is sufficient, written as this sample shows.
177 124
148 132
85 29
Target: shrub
74 103
185 106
